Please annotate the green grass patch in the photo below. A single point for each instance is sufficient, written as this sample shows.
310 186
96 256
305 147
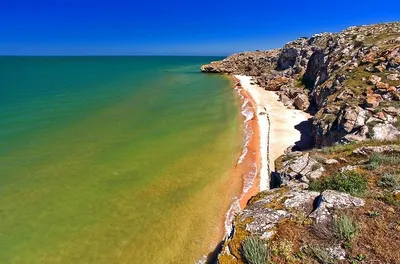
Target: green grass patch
389 199
339 148
320 254
255 251
349 182
379 159
389 180
344 228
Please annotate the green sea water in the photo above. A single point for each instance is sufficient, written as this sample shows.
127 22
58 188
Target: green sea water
113 159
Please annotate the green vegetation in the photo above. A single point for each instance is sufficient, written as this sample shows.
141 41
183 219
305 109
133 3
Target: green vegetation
388 198
344 228
339 148
389 180
255 251
320 254
350 182
373 214
382 159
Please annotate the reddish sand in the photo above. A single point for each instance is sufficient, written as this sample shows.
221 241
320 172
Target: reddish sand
253 154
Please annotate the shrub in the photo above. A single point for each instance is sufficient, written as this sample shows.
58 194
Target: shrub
254 250
382 159
344 228
373 214
350 182
388 198
319 253
389 180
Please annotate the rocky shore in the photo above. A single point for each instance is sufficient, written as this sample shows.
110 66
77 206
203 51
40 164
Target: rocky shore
339 201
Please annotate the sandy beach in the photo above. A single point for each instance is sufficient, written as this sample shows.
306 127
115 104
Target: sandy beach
276 127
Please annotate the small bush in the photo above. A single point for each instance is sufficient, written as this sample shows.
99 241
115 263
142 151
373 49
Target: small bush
339 148
389 180
389 199
255 251
350 182
320 254
382 159
373 214
344 228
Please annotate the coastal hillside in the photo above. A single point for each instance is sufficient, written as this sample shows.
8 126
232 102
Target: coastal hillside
349 80
339 200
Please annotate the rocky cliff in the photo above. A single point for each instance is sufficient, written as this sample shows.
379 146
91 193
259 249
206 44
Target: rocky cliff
339 202
349 80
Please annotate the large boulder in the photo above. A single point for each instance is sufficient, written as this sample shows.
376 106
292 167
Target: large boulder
301 102
330 200
384 131
300 169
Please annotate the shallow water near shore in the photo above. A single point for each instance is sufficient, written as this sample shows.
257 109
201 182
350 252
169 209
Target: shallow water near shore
114 159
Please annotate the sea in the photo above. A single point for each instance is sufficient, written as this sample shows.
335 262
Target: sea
114 159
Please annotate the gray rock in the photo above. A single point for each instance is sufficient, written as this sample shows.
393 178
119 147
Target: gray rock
368 150
393 77
302 168
385 132
348 168
329 200
301 200
331 161
336 252
373 79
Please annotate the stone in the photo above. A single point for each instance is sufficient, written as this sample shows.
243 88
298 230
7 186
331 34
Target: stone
379 68
385 132
392 110
368 150
330 200
263 219
331 161
336 252
302 168
373 100
301 200
373 79
382 86
393 77
284 99
301 102
287 58
348 168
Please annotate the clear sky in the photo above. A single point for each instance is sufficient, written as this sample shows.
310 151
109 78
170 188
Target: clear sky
174 27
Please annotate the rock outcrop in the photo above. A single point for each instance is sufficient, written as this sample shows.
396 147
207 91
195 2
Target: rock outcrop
350 82
345 78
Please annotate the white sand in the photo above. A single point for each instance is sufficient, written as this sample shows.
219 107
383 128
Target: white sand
277 126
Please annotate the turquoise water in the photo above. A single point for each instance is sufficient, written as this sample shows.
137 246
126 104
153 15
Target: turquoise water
113 159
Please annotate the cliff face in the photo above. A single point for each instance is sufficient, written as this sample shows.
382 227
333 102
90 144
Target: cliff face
339 203
350 80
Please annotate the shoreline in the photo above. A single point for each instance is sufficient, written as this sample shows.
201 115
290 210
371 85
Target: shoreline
269 128
278 126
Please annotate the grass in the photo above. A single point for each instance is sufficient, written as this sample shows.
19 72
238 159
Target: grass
389 180
339 148
320 254
389 199
383 159
255 251
373 214
349 182
344 228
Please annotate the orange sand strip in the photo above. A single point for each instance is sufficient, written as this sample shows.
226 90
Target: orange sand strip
253 154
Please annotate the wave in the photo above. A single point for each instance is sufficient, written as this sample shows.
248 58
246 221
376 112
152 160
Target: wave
250 176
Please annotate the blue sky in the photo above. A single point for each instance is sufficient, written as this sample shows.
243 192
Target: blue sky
176 27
